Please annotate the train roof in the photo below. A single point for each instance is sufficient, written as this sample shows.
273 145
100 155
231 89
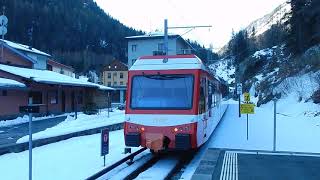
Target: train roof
170 62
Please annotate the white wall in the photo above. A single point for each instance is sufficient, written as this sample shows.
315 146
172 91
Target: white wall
41 61
146 48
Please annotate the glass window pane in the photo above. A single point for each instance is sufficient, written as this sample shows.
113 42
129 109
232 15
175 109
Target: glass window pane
162 92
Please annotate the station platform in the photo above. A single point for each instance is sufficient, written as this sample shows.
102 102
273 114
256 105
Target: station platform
229 164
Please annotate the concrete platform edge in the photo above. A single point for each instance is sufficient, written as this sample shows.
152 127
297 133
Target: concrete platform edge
207 165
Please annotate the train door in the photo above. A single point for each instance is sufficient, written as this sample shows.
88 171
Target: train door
203 107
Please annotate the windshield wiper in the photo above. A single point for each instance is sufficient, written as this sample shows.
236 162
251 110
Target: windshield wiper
163 77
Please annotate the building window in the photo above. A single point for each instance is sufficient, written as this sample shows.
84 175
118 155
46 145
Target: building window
133 61
160 47
4 93
53 97
121 83
36 97
134 48
121 75
109 75
109 84
115 83
115 74
8 62
61 71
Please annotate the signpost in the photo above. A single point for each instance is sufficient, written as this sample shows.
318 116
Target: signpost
239 92
275 124
247 108
104 144
246 97
30 109
109 104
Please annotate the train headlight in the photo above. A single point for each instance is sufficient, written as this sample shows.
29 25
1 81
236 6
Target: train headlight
175 129
142 129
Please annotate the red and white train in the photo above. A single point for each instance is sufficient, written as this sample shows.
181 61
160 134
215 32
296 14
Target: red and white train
172 103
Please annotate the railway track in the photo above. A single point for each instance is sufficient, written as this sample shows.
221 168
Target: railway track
161 166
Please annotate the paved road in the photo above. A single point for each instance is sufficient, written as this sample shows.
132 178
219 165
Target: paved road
9 135
247 165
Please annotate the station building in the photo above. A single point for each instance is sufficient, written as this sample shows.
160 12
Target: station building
27 72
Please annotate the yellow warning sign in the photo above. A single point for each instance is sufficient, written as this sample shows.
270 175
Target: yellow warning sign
246 97
247 108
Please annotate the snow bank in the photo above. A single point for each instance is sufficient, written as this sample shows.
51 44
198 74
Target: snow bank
72 159
83 122
25 119
302 86
297 128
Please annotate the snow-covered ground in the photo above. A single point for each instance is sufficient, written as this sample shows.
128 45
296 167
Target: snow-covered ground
76 158
298 130
224 69
82 122
25 119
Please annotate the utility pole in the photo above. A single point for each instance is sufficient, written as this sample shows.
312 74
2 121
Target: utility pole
3 29
166 48
30 140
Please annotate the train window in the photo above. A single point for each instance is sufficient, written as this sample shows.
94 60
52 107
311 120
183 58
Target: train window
162 91
210 95
202 100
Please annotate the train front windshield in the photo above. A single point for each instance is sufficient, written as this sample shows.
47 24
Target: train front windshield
162 91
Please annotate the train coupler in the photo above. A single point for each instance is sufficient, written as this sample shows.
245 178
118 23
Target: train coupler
154 141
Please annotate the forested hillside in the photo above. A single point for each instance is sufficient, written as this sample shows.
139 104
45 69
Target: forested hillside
75 32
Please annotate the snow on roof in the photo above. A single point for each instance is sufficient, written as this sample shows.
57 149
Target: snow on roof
145 36
49 77
9 83
102 87
24 48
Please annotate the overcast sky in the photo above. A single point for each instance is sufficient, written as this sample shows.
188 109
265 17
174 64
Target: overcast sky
223 15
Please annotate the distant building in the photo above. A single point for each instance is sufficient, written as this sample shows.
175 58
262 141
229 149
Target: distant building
115 75
147 45
60 68
38 58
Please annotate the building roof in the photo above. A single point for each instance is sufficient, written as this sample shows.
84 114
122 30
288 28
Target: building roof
9 83
23 47
55 63
116 65
49 77
18 53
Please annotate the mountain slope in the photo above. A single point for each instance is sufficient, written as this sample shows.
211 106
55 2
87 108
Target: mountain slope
261 25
